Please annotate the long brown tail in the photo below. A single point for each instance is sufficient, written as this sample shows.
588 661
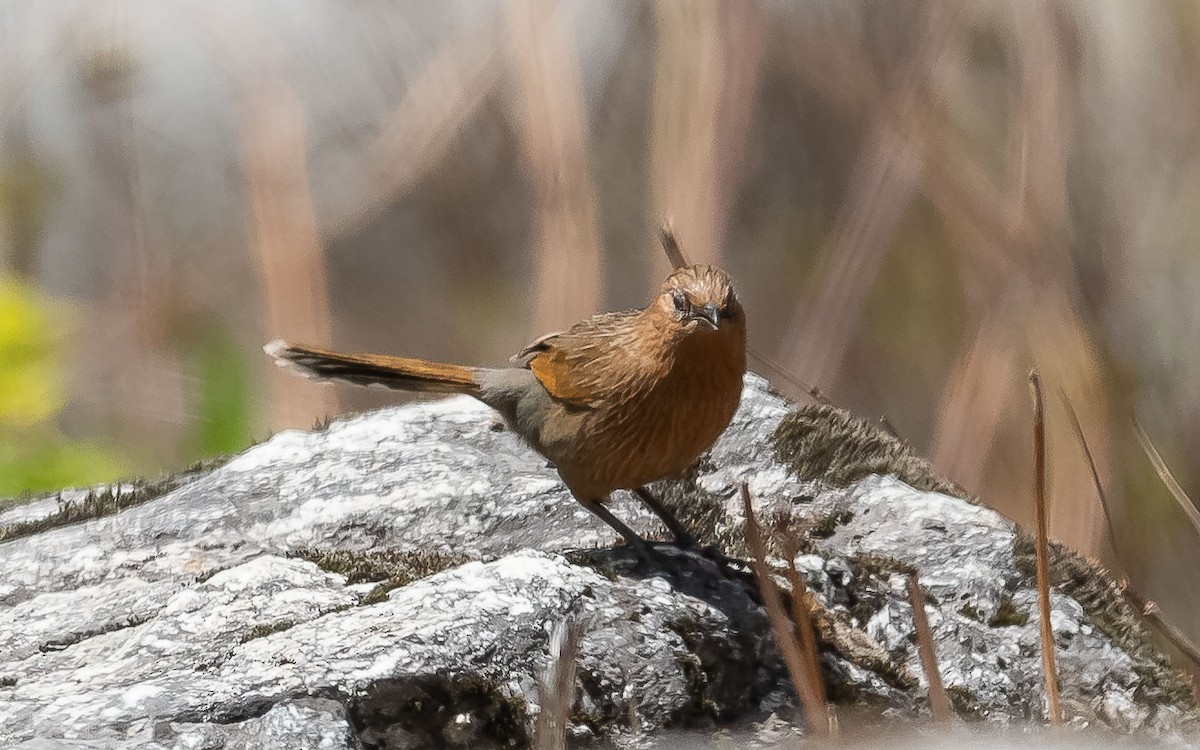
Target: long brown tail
398 373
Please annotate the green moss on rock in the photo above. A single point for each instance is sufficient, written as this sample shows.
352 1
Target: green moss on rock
1007 614
265 629
107 501
830 445
965 703
390 567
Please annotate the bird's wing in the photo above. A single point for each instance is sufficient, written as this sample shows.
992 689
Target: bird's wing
582 365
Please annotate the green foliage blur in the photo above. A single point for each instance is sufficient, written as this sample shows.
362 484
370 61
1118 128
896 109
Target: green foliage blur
223 414
34 454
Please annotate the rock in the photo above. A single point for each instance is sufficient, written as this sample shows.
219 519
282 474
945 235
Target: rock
393 581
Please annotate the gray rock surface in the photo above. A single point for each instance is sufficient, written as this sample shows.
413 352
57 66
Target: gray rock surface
393 581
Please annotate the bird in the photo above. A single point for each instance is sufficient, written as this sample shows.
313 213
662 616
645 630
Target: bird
615 402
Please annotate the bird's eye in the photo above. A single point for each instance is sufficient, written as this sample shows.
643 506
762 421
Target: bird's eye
680 300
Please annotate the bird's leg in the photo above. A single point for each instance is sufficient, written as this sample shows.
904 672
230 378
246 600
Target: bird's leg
635 542
683 538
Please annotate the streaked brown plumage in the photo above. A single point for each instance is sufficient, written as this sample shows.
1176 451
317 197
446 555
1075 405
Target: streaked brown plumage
615 402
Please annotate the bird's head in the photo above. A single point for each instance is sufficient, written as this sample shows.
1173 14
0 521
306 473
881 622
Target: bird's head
700 299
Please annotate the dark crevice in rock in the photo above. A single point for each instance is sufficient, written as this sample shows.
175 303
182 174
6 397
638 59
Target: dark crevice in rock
438 711
59 644
248 707
728 673
1007 614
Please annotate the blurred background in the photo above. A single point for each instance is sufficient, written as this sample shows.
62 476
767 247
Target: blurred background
921 200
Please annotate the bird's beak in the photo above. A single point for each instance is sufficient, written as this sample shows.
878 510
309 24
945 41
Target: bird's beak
708 315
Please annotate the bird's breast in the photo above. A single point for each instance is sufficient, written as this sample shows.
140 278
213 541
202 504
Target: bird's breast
659 430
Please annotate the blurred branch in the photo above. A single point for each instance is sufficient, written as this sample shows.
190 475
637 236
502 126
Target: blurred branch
705 83
880 191
974 402
435 108
821 325
273 150
556 687
137 309
287 246
554 120
1039 138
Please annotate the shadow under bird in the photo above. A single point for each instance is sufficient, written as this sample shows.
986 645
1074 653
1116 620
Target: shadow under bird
615 402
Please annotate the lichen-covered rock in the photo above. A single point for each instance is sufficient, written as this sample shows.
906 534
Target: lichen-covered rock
393 580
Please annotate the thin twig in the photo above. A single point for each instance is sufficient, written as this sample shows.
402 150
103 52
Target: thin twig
1164 473
1150 611
1110 527
1147 608
939 701
1043 551
815 712
778 371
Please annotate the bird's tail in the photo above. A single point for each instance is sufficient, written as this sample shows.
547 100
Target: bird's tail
398 373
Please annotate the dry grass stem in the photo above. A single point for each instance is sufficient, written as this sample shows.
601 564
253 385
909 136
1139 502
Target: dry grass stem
799 668
1178 639
802 617
1109 526
1168 479
556 689
939 701
1049 667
